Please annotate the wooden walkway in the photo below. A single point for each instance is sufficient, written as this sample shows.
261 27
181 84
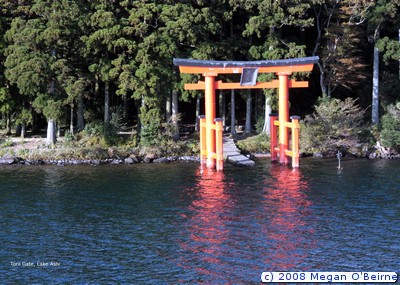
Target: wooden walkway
233 156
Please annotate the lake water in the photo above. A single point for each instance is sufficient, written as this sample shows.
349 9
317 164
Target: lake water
176 224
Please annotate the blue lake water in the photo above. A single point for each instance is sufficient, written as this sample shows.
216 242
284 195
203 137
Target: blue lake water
179 224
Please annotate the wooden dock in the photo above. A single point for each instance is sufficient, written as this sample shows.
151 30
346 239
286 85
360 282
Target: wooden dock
232 154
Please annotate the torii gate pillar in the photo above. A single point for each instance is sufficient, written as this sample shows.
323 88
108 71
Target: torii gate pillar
283 116
210 110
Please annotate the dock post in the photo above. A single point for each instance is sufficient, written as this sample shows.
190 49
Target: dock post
295 140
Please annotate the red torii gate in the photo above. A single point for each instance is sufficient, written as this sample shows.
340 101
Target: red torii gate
211 152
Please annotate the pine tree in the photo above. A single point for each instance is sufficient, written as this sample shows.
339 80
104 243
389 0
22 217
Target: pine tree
103 32
27 66
270 34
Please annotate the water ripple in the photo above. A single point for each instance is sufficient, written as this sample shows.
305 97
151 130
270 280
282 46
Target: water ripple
180 224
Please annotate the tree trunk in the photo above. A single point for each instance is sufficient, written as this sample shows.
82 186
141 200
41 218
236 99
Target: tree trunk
139 123
107 104
168 108
322 81
80 124
318 25
248 128
175 115
58 128
375 88
197 127
222 109
233 113
125 107
71 122
51 133
266 128
8 123
33 118
18 130
23 130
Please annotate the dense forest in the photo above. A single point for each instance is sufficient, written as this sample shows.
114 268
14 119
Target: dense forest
107 64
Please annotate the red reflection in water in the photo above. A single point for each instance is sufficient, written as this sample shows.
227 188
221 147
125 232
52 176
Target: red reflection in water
289 235
207 230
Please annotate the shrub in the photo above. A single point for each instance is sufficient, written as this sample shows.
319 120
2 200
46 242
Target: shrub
105 136
259 125
390 133
68 136
255 144
117 121
6 142
150 126
335 123
94 129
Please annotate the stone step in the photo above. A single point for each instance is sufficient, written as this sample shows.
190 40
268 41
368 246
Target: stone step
233 156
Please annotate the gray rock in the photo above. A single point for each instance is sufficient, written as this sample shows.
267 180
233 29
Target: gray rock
146 160
318 154
95 162
130 160
188 158
116 161
7 161
161 160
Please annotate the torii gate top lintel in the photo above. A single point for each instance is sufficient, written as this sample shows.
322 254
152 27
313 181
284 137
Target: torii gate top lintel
228 67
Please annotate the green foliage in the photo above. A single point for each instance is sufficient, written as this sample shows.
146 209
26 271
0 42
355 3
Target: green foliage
94 129
6 142
117 121
255 144
335 123
150 120
95 132
6 103
390 49
68 136
390 133
259 125
24 117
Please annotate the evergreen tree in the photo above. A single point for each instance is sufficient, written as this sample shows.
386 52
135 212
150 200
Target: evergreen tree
6 101
342 58
271 34
27 66
100 39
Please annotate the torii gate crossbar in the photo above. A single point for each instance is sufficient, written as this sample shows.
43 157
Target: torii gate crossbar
211 127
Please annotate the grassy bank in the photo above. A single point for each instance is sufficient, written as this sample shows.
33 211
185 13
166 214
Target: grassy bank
94 148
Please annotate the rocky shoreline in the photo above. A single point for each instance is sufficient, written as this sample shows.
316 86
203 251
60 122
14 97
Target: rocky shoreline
133 159
95 162
34 154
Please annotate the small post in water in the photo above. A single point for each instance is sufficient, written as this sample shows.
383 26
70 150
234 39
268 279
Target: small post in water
339 156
